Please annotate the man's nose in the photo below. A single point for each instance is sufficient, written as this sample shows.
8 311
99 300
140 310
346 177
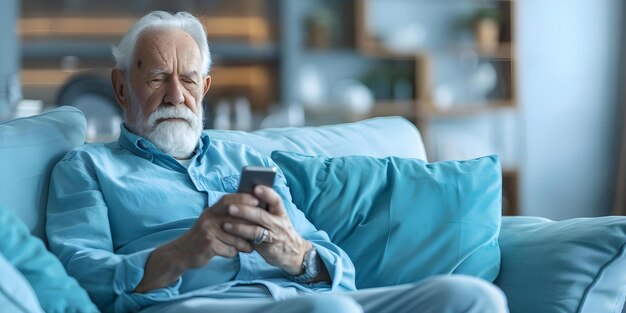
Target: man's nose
174 93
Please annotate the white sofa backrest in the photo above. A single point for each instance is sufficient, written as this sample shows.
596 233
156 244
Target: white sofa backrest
377 137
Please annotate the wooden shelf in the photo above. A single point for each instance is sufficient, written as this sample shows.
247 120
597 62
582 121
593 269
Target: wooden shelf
253 80
251 28
243 37
503 51
465 109
405 109
45 77
54 48
373 48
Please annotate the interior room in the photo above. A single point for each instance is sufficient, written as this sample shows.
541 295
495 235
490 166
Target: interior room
538 84
543 95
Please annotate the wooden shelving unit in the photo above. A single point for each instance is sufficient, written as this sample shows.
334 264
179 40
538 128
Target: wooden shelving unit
242 34
258 47
422 110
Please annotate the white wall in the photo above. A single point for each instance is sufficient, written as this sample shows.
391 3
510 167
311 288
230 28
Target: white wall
569 69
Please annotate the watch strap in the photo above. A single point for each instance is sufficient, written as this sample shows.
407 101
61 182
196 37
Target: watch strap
311 265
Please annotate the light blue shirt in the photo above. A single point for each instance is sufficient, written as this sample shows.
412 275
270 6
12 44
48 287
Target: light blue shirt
111 204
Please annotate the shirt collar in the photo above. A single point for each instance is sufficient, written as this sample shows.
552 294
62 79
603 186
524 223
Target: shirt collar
145 149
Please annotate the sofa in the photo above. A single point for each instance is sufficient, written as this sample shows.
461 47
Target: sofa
347 178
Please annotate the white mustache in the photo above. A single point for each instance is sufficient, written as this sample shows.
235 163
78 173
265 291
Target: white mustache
169 112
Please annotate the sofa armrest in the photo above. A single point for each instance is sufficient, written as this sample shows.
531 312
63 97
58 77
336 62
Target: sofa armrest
29 149
576 265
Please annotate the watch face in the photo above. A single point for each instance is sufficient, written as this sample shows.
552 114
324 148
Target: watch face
313 266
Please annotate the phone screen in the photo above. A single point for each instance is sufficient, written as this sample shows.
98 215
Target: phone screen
252 176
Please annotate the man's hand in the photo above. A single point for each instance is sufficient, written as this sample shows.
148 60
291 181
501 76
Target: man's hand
207 238
283 246
199 245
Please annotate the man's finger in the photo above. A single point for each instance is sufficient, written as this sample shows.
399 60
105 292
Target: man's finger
222 249
274 201
249 232
234 199
251 214
235 241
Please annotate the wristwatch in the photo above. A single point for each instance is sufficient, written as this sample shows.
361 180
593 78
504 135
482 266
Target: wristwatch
311 266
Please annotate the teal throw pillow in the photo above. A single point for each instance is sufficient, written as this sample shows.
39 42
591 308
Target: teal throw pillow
576 265
16 295
402 220
55 290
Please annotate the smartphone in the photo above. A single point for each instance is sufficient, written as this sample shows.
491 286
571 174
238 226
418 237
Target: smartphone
251 176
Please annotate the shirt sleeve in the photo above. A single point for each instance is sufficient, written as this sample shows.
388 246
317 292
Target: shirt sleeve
336 260
79 234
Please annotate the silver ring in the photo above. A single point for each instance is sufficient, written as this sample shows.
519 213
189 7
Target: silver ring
265 235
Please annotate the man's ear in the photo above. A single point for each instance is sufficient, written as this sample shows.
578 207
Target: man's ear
118 80
207 84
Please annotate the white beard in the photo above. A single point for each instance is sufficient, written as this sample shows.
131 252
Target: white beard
174 137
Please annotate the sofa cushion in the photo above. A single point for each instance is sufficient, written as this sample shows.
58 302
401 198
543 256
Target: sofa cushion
16 295
376 137
29 148
55 290
576 265
402 220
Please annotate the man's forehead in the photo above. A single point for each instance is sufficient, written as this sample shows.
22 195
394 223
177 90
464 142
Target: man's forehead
158 50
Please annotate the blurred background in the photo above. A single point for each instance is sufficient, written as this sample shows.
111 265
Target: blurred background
537 82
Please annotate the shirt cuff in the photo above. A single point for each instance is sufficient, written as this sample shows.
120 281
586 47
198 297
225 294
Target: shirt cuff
128 275
332 263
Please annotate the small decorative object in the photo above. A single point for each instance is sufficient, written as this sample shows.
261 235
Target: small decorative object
70 63
407 39
484 79
30 107
390 83
243 114
10 95
380 82
354 96
487 29
402 90
291 115
312 85
222 115
444 96
321 28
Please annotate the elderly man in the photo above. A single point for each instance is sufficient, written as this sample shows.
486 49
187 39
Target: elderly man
153 221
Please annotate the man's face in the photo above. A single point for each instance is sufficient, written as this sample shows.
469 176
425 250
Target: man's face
163 99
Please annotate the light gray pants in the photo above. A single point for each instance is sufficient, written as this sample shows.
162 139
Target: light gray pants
440 294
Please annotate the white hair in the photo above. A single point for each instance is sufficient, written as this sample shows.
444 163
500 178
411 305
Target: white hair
125 51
